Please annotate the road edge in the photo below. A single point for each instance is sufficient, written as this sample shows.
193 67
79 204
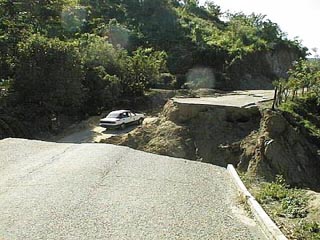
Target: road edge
270 229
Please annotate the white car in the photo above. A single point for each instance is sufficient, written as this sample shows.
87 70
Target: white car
121 118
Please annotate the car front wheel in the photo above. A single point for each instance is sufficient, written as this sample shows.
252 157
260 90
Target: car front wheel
122 126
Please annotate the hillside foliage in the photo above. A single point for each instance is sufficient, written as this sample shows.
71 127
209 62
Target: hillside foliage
74 58
300 95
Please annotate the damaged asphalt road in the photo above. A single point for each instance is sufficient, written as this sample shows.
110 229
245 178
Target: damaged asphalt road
100 191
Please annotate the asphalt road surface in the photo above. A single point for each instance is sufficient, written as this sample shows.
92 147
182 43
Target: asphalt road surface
99 191
240 99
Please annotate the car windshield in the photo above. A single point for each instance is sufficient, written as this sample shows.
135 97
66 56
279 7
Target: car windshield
113 115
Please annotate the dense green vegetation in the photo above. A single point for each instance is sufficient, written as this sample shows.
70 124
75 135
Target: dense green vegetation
299 96
76 57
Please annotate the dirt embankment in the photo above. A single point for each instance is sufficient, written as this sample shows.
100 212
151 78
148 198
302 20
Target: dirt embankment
193 131
280 148
159 136
260 142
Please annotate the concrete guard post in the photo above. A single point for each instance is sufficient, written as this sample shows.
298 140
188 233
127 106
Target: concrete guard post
270 229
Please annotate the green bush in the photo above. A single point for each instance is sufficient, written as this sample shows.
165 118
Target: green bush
305 111
143 70
166 81
48 76
101 62
273 191
307 230
292 201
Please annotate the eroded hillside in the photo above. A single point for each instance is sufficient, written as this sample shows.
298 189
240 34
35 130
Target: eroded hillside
251 137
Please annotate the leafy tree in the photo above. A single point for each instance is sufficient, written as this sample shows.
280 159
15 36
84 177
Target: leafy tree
73 19
13 28
303 82
102 67
118 35
143 70
103 10
98 51
101 90
213 9
110 72
48 76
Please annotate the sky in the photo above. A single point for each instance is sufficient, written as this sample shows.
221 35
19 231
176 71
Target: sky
297 18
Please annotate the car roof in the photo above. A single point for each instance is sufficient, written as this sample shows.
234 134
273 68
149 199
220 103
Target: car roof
120 111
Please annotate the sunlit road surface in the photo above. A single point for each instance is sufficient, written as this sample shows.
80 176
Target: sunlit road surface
241 99
101 191
95 133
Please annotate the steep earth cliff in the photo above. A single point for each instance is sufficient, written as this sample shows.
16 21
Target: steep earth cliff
258 141
259 69
280 148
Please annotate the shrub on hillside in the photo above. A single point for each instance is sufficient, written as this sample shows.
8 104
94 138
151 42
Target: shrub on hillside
48 77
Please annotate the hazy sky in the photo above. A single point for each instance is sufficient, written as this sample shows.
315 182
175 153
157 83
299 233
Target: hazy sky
299 18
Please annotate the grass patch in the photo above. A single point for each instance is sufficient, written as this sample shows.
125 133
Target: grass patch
307 230
293 202
287 206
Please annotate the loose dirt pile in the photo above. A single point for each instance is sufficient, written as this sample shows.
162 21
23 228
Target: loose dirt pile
160 136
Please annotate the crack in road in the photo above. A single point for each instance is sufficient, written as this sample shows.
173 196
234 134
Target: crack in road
18 180
50 161
94 191
98 185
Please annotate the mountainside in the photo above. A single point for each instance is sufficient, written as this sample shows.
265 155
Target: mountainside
280 148
64 60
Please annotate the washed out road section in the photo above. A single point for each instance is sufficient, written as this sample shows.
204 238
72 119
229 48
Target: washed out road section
101 191
239 99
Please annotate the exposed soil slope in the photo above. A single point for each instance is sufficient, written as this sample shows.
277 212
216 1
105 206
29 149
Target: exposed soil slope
194 131
280 148
261 142
159 136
